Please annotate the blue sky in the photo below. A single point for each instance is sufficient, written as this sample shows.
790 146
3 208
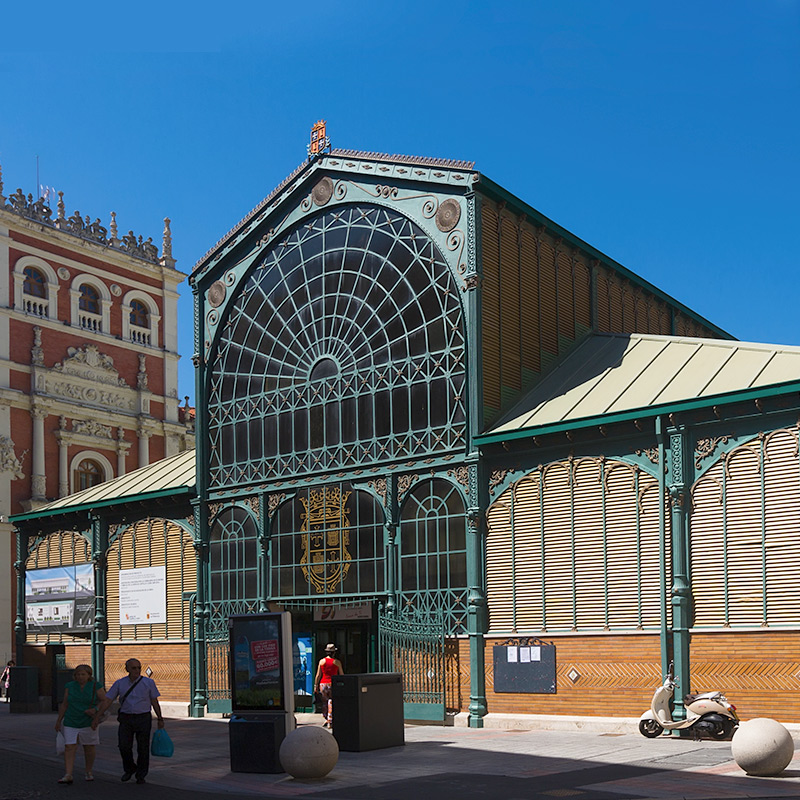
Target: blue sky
664 134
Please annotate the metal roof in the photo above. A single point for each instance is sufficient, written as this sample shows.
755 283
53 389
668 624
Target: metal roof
612 375
173 475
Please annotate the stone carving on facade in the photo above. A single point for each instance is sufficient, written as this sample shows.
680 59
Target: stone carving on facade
9 463
37 351
141 377
89 363
90 427
78 225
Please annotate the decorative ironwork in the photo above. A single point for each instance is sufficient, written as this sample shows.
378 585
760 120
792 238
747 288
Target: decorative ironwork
496 478
461 474
345 361
448 215
649 452
322 192
379 487
404 483
275 500
326 559
328 541
706 447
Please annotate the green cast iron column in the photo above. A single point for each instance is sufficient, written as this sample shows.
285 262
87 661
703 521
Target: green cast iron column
199 678
476 596
681 590
20 631
392 534
100 628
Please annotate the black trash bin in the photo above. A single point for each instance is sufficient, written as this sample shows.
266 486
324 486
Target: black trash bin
368 710
255 741
23 690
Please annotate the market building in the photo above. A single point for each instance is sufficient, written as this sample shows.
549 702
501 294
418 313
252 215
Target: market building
88 373
459 442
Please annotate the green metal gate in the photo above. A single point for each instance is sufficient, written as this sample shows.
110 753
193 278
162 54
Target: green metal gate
415 648
217 653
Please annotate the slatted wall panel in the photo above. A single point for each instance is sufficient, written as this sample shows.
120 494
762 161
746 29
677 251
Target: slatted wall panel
623 545
583 295
510 310
566 299
782 528
531 345
153 543
549 308
500 565
590 545
746 513
490 304
558 597
60 549
576 546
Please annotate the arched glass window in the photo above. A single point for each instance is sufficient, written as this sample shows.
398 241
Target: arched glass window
34 284
345 348
233 558
89 299
433 551
140 316
328 541
88 473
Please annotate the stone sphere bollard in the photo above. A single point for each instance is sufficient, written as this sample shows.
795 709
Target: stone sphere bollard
762 747
309 752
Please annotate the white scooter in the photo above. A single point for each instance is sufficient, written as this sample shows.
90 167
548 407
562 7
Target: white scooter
708 714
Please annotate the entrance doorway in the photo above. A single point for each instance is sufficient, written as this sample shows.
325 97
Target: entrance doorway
352 640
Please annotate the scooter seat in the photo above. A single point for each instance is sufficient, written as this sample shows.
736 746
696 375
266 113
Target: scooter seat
690 698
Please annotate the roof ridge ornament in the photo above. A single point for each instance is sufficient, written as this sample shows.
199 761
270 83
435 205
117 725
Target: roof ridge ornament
319 141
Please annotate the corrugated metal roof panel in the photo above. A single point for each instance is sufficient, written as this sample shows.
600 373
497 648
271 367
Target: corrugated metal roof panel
617 373
171 473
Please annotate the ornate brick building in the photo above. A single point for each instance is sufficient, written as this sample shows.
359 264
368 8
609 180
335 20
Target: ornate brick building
88 361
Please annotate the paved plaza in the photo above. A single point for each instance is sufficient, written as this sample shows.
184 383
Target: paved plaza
436 763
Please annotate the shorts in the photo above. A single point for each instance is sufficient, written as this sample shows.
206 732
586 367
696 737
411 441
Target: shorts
82 736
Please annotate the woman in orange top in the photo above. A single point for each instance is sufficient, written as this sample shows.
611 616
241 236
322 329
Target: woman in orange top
326 669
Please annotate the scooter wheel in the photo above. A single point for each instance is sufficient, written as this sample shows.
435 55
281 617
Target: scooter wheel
650 728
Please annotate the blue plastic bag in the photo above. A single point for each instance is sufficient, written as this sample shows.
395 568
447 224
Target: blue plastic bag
162 744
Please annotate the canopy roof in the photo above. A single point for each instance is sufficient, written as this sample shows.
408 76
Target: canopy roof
612 377
168 477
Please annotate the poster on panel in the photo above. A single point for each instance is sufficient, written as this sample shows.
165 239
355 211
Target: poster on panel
261 671
60 599
143 596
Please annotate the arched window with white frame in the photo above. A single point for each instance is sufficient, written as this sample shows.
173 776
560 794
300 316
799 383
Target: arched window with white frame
35 287
89 468
140 318
90 302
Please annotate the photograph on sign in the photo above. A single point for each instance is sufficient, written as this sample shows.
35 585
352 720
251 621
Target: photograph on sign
143 596
60 599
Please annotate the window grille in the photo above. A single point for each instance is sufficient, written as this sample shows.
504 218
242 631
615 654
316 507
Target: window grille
345 348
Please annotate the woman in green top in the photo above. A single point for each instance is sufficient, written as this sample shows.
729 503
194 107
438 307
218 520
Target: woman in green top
75 715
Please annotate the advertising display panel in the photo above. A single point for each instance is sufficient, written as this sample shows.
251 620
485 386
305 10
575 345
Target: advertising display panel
261 666
60 599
